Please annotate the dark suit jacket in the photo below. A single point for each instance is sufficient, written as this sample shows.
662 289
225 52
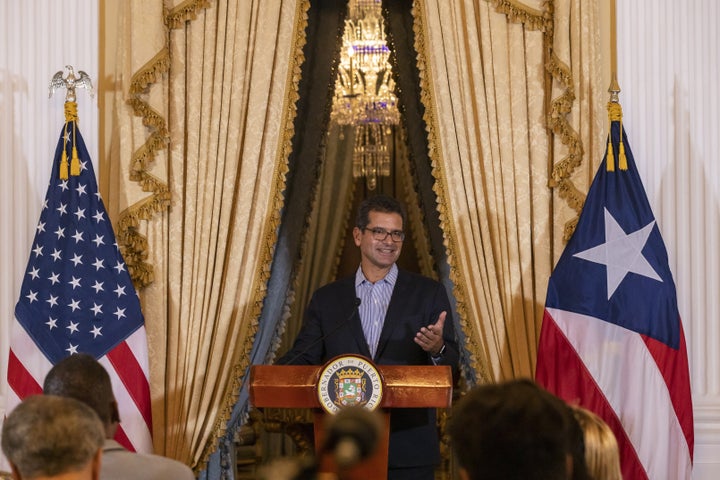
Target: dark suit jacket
332 327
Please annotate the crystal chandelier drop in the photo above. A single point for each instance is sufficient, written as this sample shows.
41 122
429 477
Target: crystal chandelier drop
365 91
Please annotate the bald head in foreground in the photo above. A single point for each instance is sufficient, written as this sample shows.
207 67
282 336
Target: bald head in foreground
50 437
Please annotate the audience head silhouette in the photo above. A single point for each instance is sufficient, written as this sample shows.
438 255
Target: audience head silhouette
53 437
515 431
81 377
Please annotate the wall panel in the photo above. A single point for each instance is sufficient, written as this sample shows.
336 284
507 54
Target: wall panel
37 38
668 66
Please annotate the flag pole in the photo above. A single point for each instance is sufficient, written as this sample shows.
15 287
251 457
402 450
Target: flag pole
614 88
613 106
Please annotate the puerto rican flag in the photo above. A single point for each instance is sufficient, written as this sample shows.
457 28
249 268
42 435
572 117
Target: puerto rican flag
612 339
77 296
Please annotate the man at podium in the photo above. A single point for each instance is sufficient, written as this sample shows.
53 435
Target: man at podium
391 316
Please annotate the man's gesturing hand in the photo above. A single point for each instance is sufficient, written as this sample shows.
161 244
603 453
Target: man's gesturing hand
430 338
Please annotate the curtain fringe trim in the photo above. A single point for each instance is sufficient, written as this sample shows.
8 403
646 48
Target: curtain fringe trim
185 12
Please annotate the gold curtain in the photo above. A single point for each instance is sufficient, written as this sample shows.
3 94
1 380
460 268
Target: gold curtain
204 123
511 91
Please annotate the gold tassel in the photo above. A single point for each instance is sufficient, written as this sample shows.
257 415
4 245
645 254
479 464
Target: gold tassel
64 165
615 115
63 159
75 163
71 115
610 165
622 159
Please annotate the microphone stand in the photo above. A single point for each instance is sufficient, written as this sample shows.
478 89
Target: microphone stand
314 343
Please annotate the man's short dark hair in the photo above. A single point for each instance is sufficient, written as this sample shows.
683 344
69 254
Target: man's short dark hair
378 203
48 435
81 377
512 430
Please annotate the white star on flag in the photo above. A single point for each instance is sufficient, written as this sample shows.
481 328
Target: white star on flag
621 253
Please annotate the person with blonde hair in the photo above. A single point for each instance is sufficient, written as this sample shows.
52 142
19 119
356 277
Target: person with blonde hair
602 455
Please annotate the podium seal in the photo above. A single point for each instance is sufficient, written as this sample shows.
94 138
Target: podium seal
349 380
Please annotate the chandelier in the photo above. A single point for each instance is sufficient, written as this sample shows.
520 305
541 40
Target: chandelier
364 90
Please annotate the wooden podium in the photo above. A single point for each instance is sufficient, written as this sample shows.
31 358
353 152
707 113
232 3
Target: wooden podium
403 386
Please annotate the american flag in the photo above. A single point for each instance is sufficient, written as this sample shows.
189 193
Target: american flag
612 339
77 296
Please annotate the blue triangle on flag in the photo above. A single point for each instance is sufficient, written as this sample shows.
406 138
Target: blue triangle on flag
615 266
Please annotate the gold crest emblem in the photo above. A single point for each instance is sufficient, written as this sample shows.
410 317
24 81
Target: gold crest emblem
347 381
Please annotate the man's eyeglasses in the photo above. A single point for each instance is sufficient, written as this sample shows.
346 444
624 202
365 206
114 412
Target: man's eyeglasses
380 234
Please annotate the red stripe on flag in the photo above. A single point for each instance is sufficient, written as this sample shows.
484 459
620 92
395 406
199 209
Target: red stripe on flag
130 373
673 365
122 438
20 380
573 383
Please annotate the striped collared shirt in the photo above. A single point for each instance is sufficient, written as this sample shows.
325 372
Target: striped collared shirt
374 301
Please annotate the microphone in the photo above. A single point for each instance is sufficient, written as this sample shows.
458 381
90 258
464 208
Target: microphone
356 306
352 435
